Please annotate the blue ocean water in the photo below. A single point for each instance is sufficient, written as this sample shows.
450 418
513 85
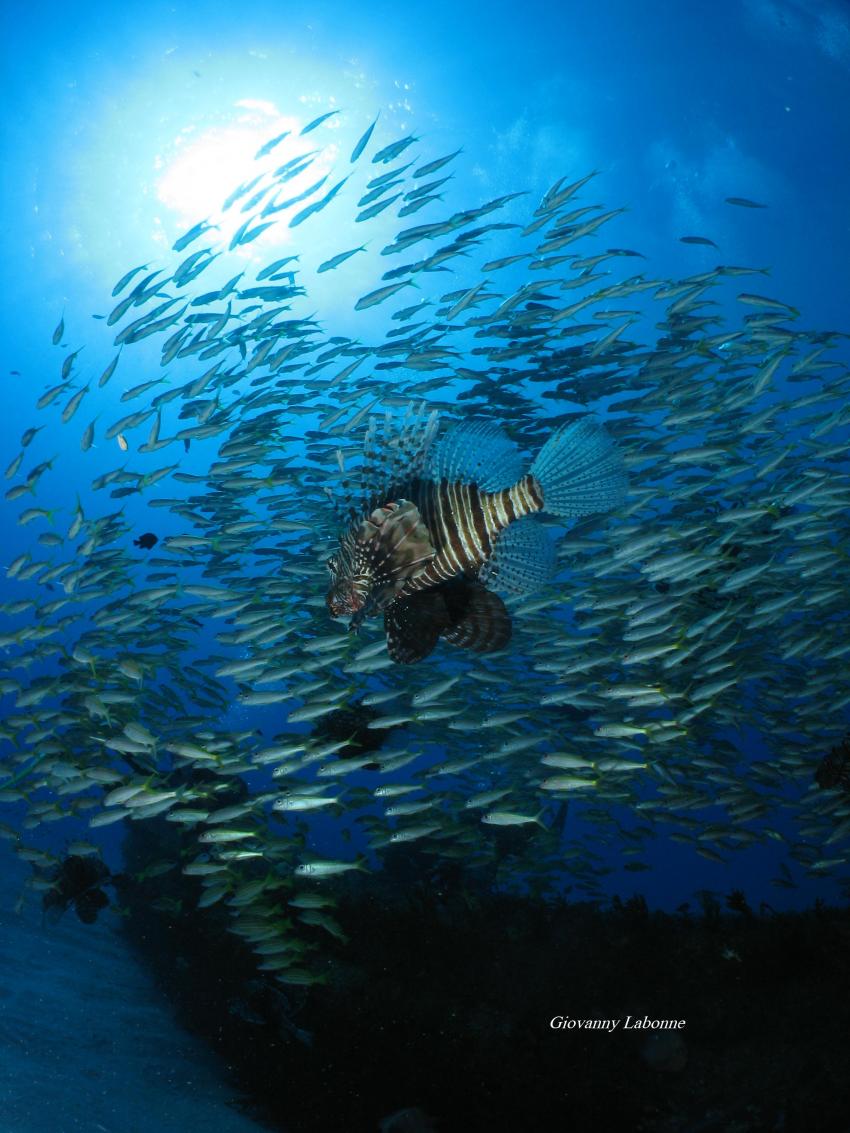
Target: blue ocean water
677 108
123 127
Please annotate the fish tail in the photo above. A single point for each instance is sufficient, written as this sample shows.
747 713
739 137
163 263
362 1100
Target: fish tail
579 471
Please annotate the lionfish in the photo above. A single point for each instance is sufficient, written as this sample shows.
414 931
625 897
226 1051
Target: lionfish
443 523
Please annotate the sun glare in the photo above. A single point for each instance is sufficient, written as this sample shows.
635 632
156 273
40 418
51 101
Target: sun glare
205 168
204 171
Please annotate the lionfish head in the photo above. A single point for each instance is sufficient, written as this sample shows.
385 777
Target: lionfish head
375 558
345 596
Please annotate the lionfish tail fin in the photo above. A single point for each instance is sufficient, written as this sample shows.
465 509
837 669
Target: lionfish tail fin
580 471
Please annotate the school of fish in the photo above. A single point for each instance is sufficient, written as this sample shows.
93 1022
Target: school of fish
603 520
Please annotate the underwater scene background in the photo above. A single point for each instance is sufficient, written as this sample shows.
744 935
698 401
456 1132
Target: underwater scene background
530 323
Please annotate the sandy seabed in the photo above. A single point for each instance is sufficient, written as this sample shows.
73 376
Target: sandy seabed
87 1041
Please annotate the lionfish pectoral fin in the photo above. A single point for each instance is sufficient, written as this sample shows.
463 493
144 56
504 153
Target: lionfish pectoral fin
396 543
479 619
413 625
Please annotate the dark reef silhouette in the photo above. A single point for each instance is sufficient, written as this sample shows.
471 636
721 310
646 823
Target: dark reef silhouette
441 1001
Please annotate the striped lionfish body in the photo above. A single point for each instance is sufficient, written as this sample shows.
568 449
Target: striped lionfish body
464 522
431 549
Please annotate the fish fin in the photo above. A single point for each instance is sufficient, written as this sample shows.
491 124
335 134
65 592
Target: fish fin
462 611
396 544
476 452
478 619
580 471
394 450
523 558
394 454
412 625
